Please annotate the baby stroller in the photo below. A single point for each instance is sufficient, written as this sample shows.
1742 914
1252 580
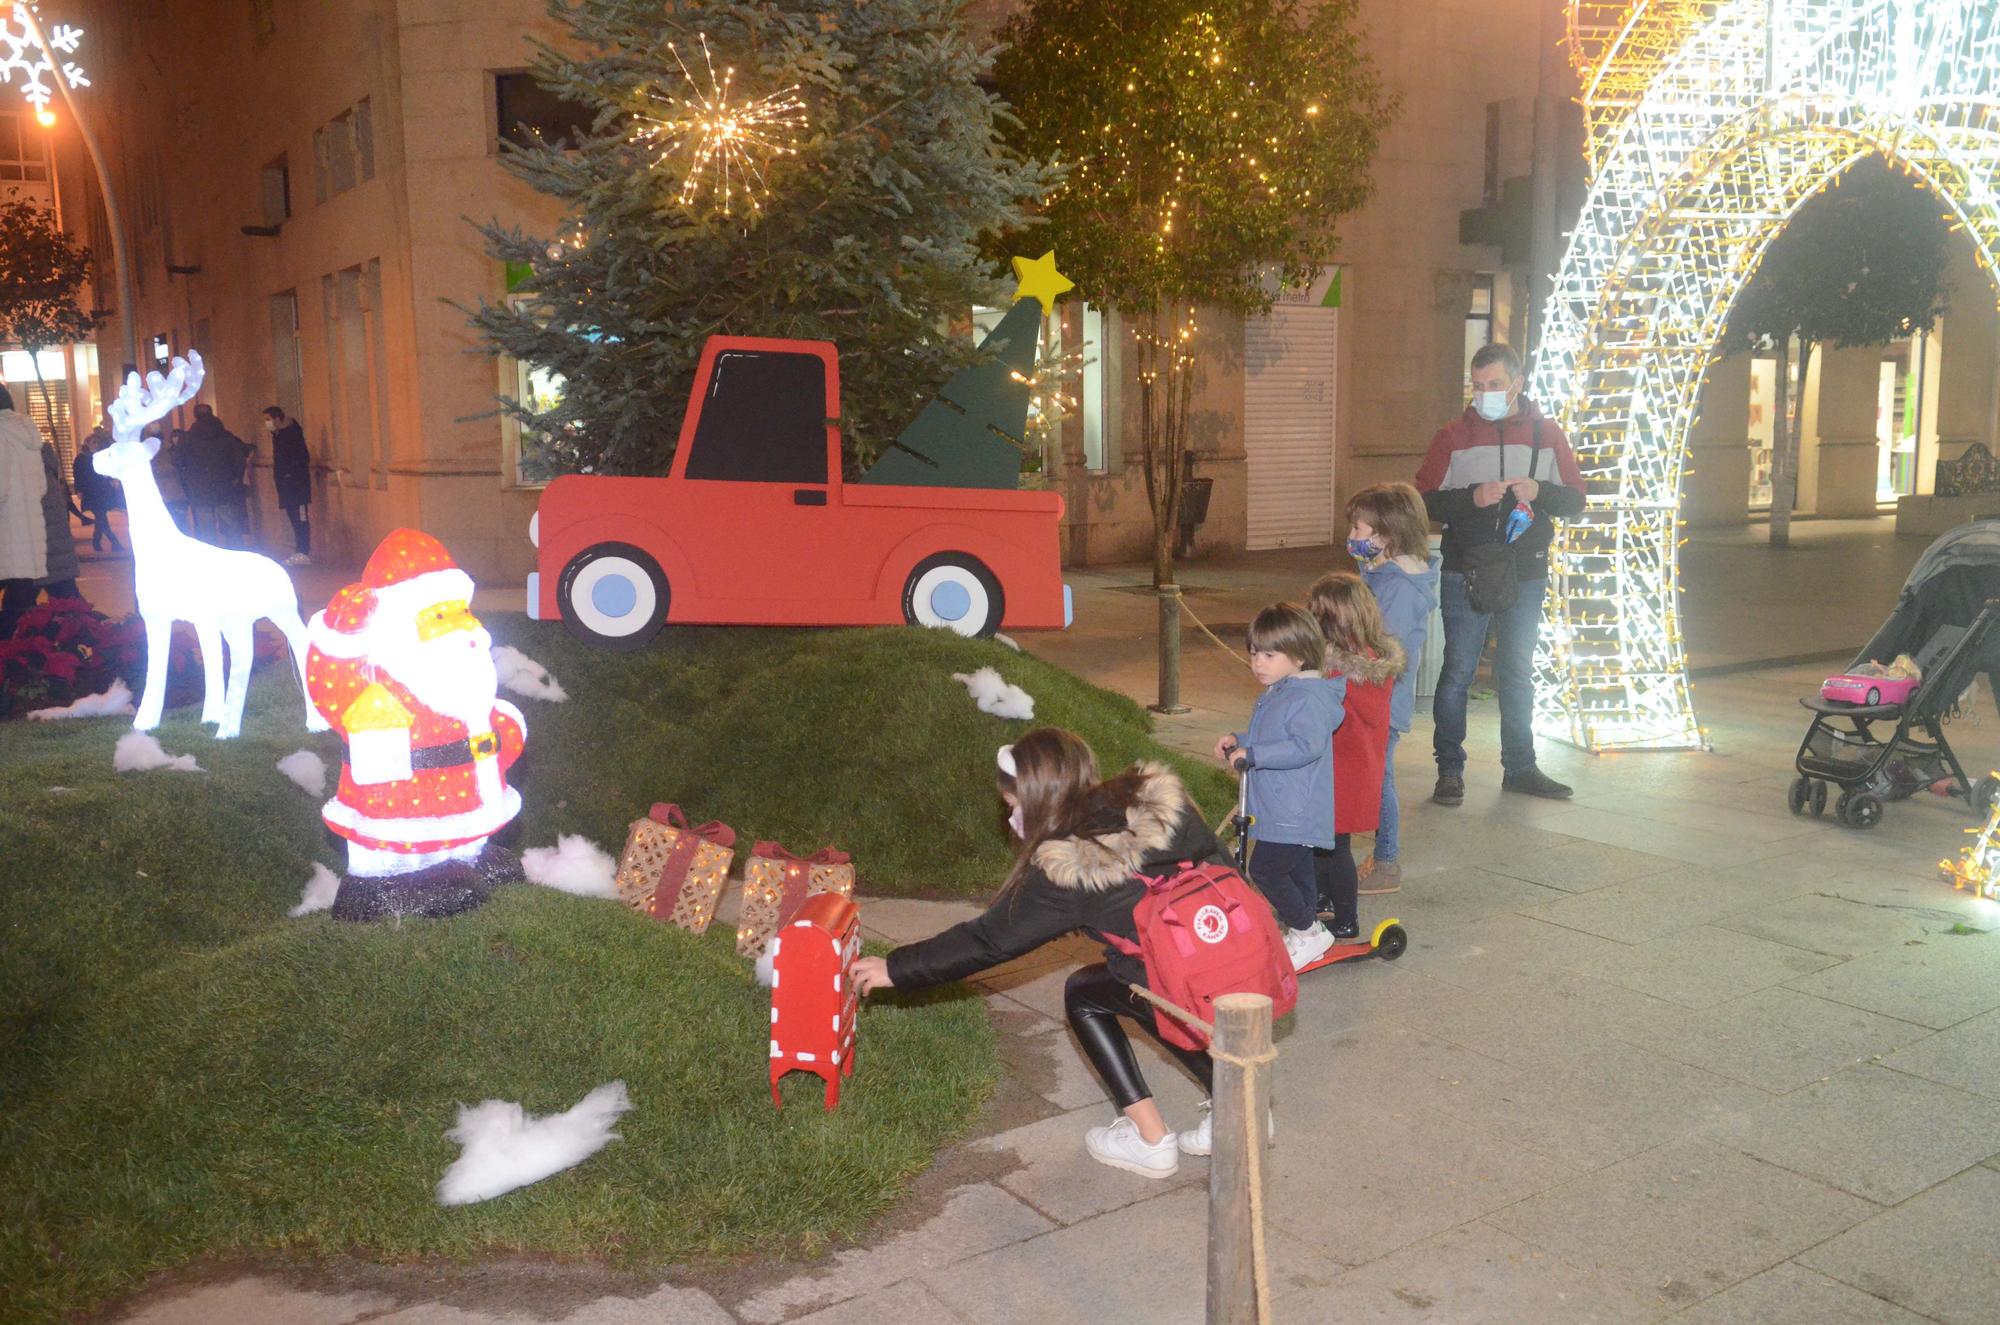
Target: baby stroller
1947 618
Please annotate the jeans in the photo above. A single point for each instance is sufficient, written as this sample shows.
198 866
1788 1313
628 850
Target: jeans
1094 1000
1513 674
301 527
1338 882
1388 830
1283 872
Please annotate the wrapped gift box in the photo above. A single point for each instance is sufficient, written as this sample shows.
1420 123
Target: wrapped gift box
675 871
776 884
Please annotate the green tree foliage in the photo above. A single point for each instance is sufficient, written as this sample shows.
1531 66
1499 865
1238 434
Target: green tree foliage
41 272
1860 264
868 232
1207 145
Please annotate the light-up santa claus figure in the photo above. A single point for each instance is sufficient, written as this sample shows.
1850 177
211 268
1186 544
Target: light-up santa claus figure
404 672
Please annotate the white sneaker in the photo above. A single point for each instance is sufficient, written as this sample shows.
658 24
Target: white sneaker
1307 945
298 559
1121 1146
1199 1140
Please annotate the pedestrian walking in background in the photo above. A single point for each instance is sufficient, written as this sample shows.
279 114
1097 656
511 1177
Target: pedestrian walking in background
216 462
24 530
291 472
1496 478
98 493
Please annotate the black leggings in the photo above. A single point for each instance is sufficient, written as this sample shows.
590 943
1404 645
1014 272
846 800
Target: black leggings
1339 882
1095 999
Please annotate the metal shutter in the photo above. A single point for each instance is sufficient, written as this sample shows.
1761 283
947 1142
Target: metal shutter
1289 366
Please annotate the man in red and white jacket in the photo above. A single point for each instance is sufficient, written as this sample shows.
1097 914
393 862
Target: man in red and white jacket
1501 452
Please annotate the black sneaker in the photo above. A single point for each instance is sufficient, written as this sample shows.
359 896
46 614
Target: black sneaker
1450 789
1534 782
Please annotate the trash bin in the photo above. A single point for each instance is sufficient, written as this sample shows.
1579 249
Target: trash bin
1195 493
1432 662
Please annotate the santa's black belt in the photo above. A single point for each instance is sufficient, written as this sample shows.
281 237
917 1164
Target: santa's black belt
454 753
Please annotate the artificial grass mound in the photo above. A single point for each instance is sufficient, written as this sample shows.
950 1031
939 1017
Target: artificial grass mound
858 738
185 1072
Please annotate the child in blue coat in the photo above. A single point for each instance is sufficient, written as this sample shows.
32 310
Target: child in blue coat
1286 759
1388 532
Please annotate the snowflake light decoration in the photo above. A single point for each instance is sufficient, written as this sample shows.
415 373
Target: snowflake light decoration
726 141
21 53
1710 123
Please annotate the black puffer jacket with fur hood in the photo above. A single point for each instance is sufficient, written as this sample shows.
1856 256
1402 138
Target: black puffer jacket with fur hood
1143 824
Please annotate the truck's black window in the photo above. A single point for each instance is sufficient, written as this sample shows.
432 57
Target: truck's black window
764 420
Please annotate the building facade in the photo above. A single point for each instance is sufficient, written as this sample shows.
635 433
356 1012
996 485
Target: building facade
300 181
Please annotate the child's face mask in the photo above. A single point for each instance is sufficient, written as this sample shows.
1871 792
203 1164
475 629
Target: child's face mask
1363 549
1016 822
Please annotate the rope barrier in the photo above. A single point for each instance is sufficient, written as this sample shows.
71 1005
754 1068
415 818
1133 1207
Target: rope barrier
1260 1269
1181 601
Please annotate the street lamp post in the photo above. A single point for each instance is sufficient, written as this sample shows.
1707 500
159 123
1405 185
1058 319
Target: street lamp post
128 311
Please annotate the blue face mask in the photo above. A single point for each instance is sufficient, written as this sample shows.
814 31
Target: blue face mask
1492 405
1363 549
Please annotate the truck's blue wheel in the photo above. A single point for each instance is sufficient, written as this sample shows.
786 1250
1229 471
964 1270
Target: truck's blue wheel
955 592
613 594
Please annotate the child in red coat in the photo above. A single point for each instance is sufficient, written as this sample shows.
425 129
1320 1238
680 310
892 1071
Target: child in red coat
1359 647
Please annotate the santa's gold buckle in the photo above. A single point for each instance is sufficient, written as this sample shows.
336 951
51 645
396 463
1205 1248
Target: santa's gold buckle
485 745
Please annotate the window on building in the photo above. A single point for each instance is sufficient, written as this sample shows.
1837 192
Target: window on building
24 153
357 373
277 191
287 377
163 350
1478 324
1090 390
524 110
344 151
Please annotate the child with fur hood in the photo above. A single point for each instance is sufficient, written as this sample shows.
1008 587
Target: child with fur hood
1085 844
1360 648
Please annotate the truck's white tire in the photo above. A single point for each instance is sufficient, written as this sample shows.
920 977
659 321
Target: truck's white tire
953 591
613 594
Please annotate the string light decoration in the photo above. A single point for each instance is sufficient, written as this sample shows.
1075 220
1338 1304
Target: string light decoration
21 54
726 140
1749 109
1977 869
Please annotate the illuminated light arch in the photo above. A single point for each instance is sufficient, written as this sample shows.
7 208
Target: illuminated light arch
1757 109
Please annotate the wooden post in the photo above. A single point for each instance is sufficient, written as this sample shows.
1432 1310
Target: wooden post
1242 1050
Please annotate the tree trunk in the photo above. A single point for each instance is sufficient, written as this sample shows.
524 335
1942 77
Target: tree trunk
1784 451
1166 390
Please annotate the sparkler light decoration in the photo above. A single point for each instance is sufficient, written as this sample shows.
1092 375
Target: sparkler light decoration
1977 870
21 53
1748 108
725 140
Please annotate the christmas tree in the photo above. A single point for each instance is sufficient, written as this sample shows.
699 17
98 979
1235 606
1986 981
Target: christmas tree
975 434
817 169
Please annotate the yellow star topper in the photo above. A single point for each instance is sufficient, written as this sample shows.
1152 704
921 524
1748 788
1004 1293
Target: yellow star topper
1038 278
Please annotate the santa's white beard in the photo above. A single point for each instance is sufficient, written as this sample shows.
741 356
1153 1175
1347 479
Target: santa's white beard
452 674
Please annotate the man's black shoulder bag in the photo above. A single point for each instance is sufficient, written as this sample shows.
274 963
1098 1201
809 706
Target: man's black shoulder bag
1492 579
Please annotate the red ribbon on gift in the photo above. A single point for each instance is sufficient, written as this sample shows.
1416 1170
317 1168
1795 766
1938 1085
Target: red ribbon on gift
797 874
673 875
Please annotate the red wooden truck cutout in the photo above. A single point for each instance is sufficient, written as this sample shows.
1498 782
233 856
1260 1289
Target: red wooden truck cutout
755 526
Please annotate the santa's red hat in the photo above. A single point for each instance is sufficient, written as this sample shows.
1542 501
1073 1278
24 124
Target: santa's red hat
409 572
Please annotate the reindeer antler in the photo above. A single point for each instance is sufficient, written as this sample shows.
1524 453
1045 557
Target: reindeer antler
139 405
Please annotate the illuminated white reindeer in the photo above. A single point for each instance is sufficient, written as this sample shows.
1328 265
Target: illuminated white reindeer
219 592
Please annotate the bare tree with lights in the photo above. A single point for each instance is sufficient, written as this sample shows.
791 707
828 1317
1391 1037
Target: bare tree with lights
1208 146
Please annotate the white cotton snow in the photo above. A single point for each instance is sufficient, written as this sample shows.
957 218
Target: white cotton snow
767 963
996 696
319 892
307 769
140 752
574 864
1008 640
505 1148
524 676
115 702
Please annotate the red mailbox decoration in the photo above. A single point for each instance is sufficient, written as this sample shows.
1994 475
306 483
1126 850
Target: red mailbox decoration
812 993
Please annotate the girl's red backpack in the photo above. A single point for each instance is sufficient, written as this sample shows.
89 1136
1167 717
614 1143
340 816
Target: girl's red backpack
1204 932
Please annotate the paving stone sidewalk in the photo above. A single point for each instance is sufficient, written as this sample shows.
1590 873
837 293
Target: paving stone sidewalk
1662 1052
